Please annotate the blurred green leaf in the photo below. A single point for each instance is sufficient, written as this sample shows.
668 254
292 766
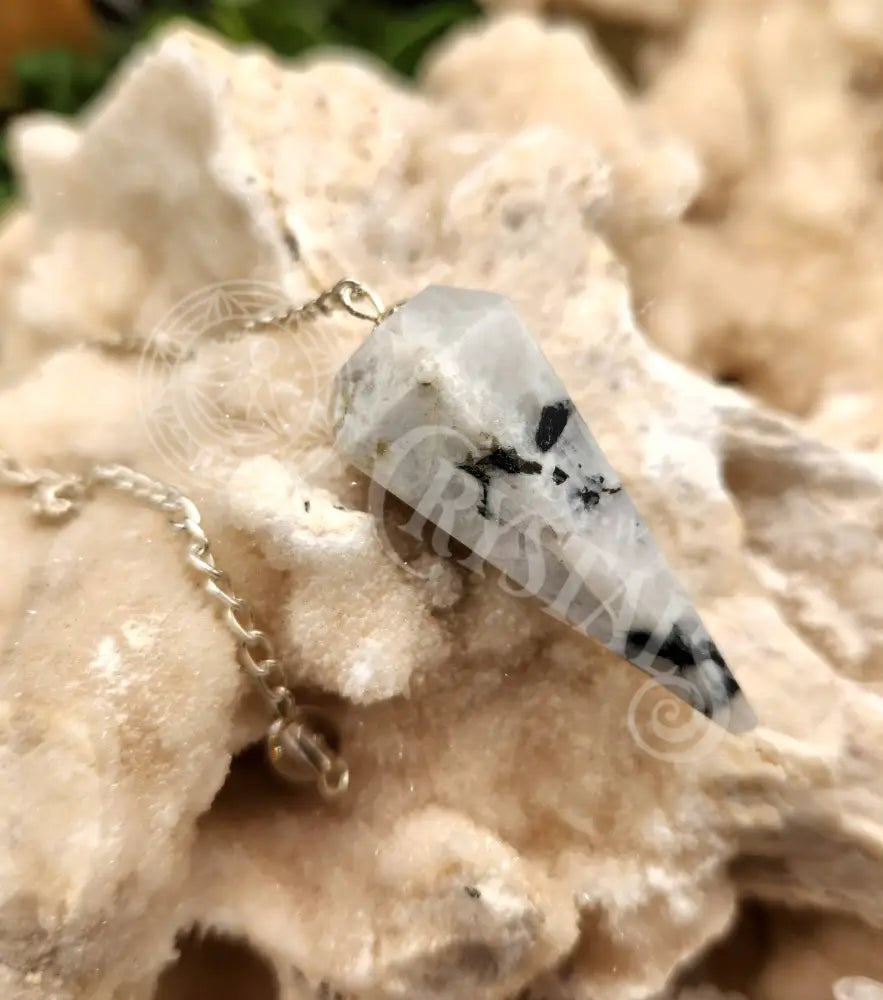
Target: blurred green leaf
231 22
6 185
403 40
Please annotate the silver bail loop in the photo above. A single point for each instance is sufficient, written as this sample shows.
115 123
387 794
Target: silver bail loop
350 292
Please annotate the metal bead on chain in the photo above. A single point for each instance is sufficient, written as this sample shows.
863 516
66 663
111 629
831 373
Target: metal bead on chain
298 745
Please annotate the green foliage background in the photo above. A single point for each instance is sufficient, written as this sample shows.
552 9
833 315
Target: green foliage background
397 31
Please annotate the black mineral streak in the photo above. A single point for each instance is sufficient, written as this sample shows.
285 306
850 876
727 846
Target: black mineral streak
589 498
472 892
553 420
678 649
590 495
508 460
713 653
598 481
292 244
477 473
559 475
502 459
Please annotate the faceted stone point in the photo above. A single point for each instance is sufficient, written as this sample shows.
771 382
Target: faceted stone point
451 406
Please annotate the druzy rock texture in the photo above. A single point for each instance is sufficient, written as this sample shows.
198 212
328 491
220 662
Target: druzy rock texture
528 815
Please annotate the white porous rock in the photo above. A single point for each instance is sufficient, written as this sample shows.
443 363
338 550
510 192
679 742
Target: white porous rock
336 562
655 174
525 811
126 724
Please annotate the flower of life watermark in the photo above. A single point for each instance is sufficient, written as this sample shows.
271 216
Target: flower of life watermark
213 392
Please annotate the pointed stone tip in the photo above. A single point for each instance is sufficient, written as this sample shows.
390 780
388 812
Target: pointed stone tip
738 716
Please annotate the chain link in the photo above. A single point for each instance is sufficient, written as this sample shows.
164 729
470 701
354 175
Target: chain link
53 494
298 748
255 651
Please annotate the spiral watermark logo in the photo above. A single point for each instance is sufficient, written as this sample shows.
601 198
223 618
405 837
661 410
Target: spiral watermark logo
216 389
662 723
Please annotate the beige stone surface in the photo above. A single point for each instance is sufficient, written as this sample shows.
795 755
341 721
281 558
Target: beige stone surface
658 13
525 813
773 952
769 279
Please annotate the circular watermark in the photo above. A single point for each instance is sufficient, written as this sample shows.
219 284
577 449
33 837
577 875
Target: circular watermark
662 722
215 391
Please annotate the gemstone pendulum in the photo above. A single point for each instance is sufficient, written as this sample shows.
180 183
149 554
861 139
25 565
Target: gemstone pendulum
451 406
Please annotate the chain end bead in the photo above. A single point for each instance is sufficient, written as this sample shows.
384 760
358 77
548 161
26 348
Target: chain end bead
300 754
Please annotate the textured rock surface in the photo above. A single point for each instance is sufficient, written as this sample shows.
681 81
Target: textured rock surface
769 279
523 809
658 13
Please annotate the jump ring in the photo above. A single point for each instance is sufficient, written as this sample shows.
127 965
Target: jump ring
348 291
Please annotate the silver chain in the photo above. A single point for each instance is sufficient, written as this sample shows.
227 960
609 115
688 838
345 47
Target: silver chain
346 294
298 747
